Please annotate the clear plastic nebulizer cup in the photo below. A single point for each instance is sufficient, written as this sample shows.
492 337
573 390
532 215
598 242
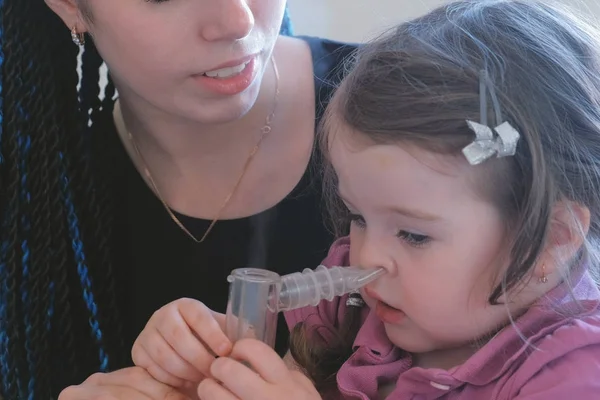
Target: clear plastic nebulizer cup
256 296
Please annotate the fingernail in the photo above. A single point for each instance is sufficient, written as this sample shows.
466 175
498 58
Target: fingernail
223 348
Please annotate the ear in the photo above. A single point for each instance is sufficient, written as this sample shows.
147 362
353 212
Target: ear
569 225
70 12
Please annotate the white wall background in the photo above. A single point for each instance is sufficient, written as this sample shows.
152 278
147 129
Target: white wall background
357 20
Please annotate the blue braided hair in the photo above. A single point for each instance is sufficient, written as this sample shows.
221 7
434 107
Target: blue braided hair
58 317
4 289
82 267
47 295
24 144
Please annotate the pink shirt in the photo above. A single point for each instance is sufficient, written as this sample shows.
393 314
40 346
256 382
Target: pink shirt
565 366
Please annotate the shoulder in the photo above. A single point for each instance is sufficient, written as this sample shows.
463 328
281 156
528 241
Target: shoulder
331 60
329 54
328 60
565 364
325 316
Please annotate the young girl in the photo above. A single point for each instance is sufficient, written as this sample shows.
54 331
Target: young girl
465 151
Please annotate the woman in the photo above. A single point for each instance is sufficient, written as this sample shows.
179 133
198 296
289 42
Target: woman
113 209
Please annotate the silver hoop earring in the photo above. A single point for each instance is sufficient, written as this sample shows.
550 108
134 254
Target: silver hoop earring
77 37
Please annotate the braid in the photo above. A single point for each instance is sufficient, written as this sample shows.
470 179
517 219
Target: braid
79 191
89 202
24 145
49 293
35 236
16 246
103 122
78 188
65 281
82 268
13 351
30 251
47 231
4 284
100 192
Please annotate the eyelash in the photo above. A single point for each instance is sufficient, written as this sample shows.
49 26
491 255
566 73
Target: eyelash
156 1
412 239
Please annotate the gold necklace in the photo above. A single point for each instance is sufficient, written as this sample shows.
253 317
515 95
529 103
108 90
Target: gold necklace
264 131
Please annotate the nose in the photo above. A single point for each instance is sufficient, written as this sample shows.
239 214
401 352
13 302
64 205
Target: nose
372 253
232 20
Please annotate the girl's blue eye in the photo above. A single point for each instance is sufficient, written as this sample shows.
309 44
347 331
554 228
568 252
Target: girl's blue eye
414 239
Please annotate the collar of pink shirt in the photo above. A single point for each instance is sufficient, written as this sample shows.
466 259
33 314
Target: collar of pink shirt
376 361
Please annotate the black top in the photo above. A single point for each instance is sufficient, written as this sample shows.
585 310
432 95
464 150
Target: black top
159 263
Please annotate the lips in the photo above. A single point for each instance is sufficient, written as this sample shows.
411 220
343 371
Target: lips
229 81
232 63
226 72
369 292
384 311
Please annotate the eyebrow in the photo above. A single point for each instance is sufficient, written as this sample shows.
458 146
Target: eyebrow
416 214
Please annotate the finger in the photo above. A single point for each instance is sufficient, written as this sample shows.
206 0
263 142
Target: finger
209 389
207 324
191 389
85 392
143 360
238 378
221 320
263 359
135 379
78 392
192 327
169 359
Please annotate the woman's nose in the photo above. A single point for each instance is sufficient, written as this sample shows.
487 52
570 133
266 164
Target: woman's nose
231 20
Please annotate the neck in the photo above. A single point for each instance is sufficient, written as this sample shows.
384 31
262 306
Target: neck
170 142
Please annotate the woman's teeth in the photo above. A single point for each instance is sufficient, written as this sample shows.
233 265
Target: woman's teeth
226 72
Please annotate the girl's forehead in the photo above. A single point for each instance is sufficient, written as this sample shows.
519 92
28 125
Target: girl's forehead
362 164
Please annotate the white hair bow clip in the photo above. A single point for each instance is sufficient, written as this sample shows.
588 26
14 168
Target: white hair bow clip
486 144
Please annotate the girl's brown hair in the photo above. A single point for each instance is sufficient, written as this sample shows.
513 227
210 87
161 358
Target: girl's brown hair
418 84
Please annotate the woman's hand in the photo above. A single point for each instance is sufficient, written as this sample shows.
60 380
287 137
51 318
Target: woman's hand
269 379
125 384
180 341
